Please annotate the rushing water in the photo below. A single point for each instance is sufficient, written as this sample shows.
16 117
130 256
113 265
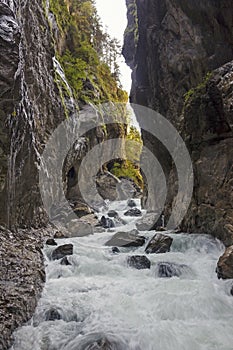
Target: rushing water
100 293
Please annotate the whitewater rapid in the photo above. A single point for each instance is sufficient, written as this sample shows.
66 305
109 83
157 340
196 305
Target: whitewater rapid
100 293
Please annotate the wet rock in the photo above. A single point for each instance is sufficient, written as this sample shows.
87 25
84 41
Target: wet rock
115 250
106 186
22 277
159 244
106 222
126 239
99 229
61 251
80 228
225 264
51 241
65 261
133 212
131 203
139 262
97 341
52 315
168 270
150 221
81 209
231 290
113 214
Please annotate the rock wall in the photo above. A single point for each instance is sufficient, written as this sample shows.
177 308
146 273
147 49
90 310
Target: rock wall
179 43
34 99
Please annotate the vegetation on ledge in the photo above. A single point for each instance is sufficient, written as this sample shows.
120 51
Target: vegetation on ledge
87 54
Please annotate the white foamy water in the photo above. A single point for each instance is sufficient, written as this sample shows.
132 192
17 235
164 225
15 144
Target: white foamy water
100 293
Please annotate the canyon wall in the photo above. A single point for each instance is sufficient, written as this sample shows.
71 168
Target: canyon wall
35 97
181 56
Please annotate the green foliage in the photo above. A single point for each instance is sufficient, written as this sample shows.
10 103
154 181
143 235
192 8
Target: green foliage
130 168
88 55
199 87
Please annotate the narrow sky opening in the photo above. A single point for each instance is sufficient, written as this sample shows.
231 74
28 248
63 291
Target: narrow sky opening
113 16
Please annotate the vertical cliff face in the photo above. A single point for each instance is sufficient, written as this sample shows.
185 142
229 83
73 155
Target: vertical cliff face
35 97
179 69
30 108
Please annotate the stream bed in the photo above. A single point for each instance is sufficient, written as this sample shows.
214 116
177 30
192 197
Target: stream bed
99 296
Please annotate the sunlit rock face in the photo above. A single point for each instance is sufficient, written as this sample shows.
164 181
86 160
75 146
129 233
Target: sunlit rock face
178 44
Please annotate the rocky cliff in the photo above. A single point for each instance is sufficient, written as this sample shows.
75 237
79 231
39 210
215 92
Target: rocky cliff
181 59
42 83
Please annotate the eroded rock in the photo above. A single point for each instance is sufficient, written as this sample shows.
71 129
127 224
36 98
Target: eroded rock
80 228
225 264
51 242
62 251
133 212
159 244
139 262
126 239
65 261
168 269
107 222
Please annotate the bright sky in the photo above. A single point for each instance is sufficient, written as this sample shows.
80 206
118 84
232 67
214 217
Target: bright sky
113 15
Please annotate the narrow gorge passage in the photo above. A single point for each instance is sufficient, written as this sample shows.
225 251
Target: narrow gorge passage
100 301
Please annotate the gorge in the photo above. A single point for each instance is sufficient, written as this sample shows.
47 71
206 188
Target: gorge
57 65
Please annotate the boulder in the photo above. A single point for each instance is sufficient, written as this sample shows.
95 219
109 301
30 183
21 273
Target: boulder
139 262
81 209
150 221
52 314
133 212
106 222
80 228
126 239
97 341
113 214
168 270
65 261
131 203
159 244
51 241
225 264
61 251
115 250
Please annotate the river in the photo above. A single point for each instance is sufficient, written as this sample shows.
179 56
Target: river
136 309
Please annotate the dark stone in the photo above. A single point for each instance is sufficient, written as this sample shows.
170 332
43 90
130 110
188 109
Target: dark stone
133 212
52 315
115 250
131 203
113 214
159 244
139 262
168 270
106 222
65 261
51 241
225 264
61 251
126 239
231 290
